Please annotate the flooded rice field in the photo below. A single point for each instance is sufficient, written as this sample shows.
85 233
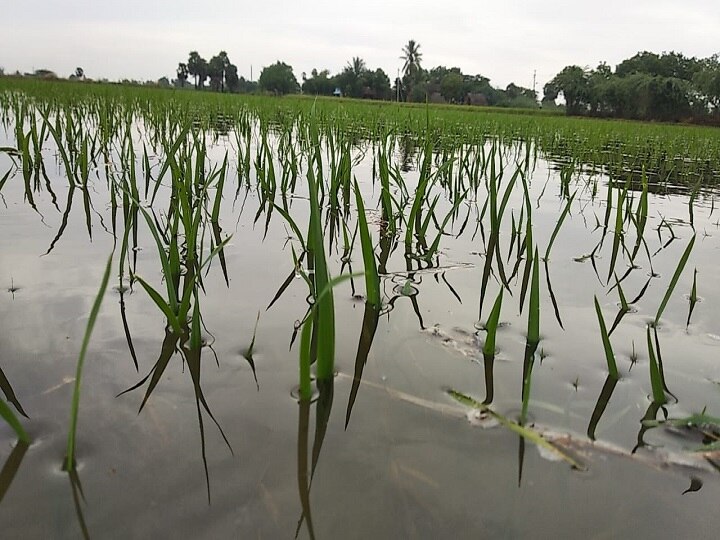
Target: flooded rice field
266 327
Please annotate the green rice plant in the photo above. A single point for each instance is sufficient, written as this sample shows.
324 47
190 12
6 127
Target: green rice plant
528 245
7 414
656 380
433 248
601 404
75 404
641 214
492 324
618 236
624 307
673 281
607 346
559 223
533 332
324 308
372 280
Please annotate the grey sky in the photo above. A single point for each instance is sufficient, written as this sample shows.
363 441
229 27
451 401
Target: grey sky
504 41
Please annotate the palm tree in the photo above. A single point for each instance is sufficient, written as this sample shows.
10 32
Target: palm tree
194 65
357 66
412 56
182 73
222 55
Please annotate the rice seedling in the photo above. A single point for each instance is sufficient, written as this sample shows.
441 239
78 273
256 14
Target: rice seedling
491 326
161 167
533 328
372 279
607 346
69 464
656 380
559 223
673 281
624 307
601 404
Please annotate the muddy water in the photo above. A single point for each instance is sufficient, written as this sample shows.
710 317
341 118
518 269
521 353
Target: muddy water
407 460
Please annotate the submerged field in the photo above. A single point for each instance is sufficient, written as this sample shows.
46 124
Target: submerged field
258 317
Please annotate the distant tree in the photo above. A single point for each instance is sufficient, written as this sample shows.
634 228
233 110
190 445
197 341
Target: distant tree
216 72
163 82
279 79
412 56
572 81
246 87
182 74
519 97
452 86
79 73
2 71
319 84
670 64
357 66
379 84
707 82
44 74
477 85
411 68
198 68
231 78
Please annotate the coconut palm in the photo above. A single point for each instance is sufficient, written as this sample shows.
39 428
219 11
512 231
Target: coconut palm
357 66
412 56
198 68
182 74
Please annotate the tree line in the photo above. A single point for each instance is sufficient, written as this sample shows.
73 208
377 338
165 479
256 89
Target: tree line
413 84
221 73
648 86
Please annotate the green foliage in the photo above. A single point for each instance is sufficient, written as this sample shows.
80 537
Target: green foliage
278 79
356 81
9 416
607 347
492 325
648 86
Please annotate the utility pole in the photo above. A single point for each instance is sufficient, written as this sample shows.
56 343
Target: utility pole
251 73
534 79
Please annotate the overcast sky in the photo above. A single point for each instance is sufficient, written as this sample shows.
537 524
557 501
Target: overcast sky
503 40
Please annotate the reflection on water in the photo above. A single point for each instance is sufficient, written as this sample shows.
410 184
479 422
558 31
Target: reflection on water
450 228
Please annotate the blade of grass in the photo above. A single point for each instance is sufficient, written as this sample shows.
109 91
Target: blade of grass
607 346
75 405
676 276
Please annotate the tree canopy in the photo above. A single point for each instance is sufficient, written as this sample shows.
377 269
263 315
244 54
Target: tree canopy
647 86
279 79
